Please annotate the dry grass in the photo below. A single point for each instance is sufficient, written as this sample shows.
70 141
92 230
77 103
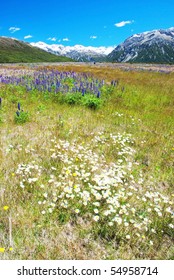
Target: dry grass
146 111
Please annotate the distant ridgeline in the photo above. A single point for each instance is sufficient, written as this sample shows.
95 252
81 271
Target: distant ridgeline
12 50
155 46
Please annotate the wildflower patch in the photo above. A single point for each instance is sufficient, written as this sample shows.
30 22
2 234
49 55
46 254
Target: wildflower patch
82 183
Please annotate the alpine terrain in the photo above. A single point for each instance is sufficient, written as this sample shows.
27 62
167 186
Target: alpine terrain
155 46
12 50
77 52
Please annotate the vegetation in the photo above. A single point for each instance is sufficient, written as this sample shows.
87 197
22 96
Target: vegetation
91 182
13 51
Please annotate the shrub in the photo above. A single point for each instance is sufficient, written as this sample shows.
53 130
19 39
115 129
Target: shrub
73 98
92 101
21 117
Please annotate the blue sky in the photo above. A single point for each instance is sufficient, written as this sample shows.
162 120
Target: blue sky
89 23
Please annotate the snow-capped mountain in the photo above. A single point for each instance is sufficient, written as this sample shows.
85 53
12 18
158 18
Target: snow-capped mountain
77 52
155 46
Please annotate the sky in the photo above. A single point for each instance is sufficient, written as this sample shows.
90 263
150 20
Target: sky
83 22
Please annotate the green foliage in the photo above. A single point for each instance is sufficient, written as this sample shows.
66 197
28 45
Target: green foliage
1 118
92 102
73 98
22 118
41 108
16 51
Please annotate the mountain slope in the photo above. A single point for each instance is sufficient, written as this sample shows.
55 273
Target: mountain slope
155 46
12 50
77 52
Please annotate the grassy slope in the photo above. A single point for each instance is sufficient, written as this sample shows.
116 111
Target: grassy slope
146 106
12 51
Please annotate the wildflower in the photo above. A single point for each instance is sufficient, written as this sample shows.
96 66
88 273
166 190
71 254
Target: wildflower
143 237
169 210
127 236
5 207
10 249
19 106
53 168
96 218
96 211
151 242
171 226
43 212
2 250
74 174
45 195
77 211
96 203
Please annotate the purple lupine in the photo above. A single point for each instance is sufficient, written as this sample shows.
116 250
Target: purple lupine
19 106
83 92
98 94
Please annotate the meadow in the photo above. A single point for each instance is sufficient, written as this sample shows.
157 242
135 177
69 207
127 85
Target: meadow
86 163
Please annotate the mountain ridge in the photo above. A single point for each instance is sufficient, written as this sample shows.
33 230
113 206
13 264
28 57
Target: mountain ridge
77 52
156 46
13 51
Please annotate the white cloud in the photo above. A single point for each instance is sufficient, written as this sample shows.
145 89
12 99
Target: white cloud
65 39
14 29
28 36
93 37
123 23
52 39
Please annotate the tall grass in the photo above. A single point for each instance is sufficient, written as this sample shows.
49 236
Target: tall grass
77 183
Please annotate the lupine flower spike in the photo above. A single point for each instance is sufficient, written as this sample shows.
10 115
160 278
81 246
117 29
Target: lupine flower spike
19 106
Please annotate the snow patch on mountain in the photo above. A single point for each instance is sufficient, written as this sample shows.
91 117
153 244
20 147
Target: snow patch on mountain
156 46
76 52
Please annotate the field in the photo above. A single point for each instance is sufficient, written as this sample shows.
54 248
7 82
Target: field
86 162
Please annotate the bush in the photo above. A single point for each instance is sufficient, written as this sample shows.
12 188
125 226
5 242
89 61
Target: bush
21 117
92 101
73 98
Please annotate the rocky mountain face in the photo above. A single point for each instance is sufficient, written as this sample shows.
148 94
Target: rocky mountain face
155 46
77 52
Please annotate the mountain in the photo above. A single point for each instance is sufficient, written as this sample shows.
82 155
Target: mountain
77 52
155 46
12 50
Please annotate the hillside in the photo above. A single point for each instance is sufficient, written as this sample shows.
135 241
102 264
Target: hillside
155 46
12 50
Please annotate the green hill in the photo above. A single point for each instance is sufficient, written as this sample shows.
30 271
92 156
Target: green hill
12 50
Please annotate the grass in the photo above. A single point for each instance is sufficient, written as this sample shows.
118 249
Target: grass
14 51
78 183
